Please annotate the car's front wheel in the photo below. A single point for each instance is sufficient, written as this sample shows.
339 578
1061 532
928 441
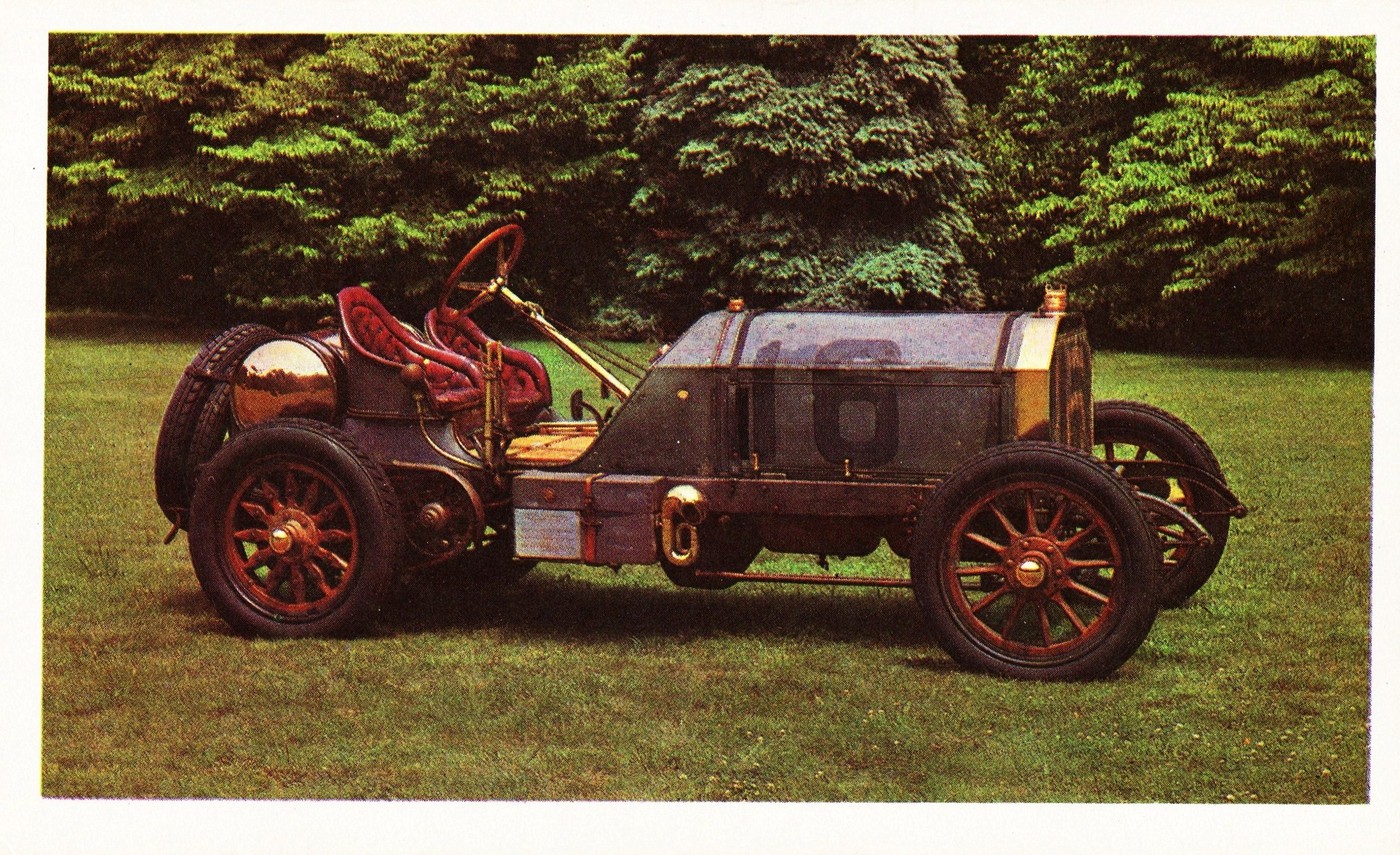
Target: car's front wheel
1034 561
1132 436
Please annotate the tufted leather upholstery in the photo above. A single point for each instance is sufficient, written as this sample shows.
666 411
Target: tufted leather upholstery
526 381
454 382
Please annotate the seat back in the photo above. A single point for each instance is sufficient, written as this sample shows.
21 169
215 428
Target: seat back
526 381
454 382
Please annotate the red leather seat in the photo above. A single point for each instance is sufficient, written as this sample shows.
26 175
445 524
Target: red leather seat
527 391
454 381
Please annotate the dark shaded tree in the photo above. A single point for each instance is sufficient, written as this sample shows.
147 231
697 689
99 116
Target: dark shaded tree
1210 193
823 171
275 170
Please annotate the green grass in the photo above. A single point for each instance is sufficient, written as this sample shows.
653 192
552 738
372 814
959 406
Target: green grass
581 683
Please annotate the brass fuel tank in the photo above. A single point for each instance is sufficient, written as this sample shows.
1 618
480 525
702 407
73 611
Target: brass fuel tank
291 377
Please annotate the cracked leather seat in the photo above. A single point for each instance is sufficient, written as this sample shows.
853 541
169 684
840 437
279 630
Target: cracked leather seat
454 381
525 380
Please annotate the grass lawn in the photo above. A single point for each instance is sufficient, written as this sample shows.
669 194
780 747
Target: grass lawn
581 683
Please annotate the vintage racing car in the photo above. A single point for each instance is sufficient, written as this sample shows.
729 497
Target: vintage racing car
313 469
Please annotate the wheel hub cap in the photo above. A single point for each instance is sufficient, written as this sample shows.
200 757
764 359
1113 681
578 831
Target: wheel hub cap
280 540
1034 564
1030 572
287 536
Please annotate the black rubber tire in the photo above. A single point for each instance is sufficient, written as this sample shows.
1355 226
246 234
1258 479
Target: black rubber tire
1169 438
351 492
213 428
1123 603
190 431
725 547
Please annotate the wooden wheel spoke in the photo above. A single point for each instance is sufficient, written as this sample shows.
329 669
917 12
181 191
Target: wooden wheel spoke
335 535
1044 624
1013 616
310 495
1172 540
257 512
331 558
981 570
990 598
256 560
271 496
251 535
1067 545
1005 523
298 581
1088 564
1058 517
276 575
1070 613
1085 590
1141 453
319 578
326 513
985 541
1031 527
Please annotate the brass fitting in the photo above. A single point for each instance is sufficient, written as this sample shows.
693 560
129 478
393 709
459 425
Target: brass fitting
682 511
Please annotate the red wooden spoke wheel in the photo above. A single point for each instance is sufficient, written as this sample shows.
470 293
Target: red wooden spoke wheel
1131 432
1033 560
292 535
294 531
1031 569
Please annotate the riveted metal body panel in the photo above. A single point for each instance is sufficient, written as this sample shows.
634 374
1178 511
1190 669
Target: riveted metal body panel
673 424
820 395
593 518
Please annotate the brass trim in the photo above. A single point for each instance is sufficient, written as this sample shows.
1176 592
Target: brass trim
682 511
534 316
285 377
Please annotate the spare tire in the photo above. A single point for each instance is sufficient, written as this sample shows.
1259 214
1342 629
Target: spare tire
197 416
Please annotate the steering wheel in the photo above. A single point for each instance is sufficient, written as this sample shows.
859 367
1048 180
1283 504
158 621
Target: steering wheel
504 262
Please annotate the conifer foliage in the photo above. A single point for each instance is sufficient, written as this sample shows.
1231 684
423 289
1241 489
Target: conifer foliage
808 171
1211 193
275 170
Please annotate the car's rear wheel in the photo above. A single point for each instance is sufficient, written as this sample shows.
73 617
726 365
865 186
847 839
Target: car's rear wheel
1033 561
294 531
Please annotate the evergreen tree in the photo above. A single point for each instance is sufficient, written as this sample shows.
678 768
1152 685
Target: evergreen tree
130 220
1257 179
1214 193
297 166
799 171
1043 111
